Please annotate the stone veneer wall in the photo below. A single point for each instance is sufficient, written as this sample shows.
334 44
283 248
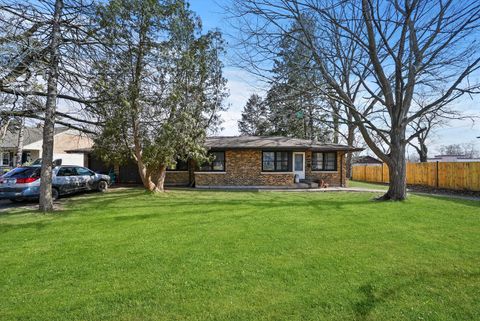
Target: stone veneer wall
177 178
333 179
243 168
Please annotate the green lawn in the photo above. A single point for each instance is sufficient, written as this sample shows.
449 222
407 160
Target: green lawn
205 255
366 185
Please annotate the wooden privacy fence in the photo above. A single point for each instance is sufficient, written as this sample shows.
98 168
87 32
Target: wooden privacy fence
459 176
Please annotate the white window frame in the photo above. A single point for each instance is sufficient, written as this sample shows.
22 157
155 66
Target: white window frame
8 162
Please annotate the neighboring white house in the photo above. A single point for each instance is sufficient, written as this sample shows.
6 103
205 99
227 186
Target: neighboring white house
64 139
452 158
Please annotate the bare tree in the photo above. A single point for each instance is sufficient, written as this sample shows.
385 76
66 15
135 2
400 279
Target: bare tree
467 149
424 126
47 47
401 49
46 203
21 132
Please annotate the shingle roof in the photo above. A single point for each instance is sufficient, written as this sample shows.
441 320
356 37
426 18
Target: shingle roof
260 142
30 135
272 142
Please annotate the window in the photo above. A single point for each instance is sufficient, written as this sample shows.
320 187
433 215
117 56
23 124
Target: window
67 171
217 165
82 171
179 166
324 161
276 161
23 172
26 157
6 159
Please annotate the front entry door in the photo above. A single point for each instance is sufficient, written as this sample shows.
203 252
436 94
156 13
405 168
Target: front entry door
299 164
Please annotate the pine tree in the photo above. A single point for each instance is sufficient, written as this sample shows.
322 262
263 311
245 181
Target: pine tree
161 86
293 100
254 117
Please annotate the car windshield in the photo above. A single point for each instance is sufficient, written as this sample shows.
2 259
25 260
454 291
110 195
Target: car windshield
23 172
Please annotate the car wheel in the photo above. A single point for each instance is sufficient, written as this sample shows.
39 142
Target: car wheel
55 194
102 186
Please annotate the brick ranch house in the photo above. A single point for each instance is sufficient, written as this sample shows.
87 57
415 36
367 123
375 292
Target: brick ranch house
250 161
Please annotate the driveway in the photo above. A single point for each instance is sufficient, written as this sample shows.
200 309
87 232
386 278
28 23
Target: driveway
6 205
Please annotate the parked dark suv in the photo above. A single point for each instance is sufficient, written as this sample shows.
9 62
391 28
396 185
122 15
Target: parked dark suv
24 182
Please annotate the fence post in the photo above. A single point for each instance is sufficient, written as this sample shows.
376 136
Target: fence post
437 175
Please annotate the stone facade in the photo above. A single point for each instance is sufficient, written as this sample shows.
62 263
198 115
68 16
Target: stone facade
333 179
244 168
177 178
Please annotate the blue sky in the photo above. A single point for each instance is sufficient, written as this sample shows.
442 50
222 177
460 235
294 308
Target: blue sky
241 84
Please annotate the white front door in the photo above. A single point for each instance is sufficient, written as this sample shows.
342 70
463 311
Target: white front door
299 164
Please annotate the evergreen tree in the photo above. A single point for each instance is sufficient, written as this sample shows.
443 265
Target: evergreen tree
161 84
254 117
293 100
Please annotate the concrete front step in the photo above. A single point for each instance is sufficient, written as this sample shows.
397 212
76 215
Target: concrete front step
308 183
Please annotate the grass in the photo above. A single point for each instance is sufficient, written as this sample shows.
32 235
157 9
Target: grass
204 255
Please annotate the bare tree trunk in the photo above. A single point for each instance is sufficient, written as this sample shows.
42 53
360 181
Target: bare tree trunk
397 190
423 152
46 202
310 122
336 125
350 140
397 167
21 131
4 129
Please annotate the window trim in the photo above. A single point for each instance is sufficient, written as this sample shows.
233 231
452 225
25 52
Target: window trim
323 169
211 170
275 170
9 159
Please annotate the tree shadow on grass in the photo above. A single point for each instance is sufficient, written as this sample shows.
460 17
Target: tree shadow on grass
371 299
460 201
4 228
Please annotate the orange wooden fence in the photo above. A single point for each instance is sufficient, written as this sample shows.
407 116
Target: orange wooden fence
459 176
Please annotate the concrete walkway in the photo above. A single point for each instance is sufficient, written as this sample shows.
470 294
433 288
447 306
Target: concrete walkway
328 189
369 190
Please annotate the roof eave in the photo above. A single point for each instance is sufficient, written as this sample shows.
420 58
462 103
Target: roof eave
290 148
